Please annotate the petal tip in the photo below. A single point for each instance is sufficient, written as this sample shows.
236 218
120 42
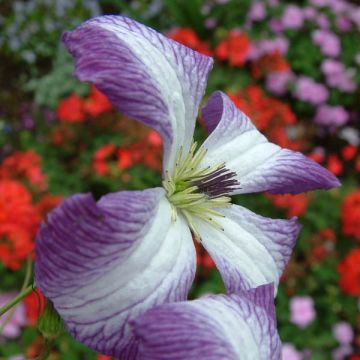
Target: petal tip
335 182
329 180
212 111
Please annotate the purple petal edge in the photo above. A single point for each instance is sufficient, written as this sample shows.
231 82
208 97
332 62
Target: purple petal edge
285 172
213 110
238 326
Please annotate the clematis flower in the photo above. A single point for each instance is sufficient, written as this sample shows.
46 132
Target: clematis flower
104 263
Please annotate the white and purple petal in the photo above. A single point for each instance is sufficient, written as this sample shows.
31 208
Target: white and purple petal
144 74
259 164
236 327
251 250
104 263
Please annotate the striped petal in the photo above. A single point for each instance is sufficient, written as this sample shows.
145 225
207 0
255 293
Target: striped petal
145 75
234 327
104 263
259 164
251 250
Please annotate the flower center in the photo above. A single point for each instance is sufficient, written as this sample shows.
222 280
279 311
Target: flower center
197 191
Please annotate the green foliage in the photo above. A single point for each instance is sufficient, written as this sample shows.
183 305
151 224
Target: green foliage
50 88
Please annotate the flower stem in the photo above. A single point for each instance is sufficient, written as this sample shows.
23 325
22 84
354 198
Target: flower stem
26 289
18 298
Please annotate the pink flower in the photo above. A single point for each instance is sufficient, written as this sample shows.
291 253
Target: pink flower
343 332
309 13
210 23
322 21
289 352
273 3
308 90
319 3
329 43
276 26
277 82
337 76
267 46
18 319
343 23
342 352
354 15
302 311
331 115
330 66
292 17
337 6
257 11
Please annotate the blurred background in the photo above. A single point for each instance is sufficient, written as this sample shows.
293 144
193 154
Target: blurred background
292 66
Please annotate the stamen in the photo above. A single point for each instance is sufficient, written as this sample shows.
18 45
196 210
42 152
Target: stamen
197 192
218 183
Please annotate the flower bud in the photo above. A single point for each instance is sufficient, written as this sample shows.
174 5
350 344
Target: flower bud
50 324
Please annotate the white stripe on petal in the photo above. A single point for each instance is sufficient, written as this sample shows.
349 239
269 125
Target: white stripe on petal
251 250
102 264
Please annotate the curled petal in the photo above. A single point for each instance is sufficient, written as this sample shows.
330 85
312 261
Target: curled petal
251 250
104 263
259 164
145 75
236 327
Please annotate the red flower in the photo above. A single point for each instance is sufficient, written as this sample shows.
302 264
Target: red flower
350 214
348 152
15 245
268 63
13 195
103 357
101 168
349 270
234 48
323 245
47 203
317 156
354 357
19 221
189 38
71 109
154 138
295 205
97 103
124 158
104 152
34 303
24 165
203 259
334 164
328 234
100 158
357 164
152 153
